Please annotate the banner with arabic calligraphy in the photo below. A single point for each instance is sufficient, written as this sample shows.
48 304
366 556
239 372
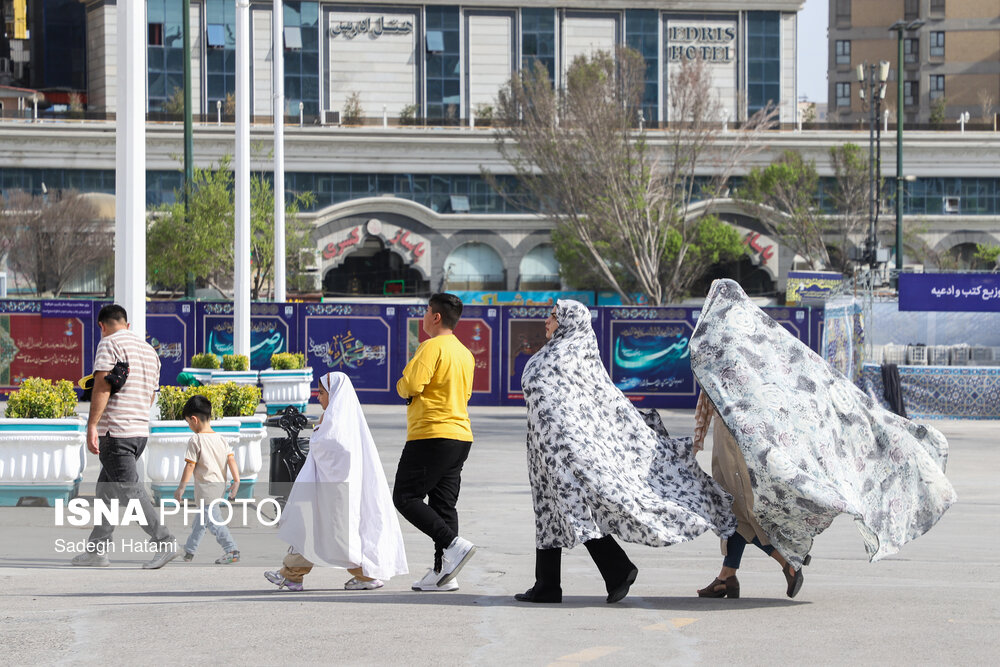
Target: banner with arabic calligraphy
479 331
273 329
974 292
32 345
170 330
649 354
355 339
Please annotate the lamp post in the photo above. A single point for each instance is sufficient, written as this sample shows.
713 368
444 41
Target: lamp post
872 79
900 27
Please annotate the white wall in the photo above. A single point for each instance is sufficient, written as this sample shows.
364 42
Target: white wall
382 69
261 66
789 95
489 56
584 36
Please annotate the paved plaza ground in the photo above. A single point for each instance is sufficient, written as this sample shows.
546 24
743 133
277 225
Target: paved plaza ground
936 602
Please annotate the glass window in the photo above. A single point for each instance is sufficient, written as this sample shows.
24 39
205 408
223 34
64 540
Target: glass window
763 64
843 8
843 48
911 9
538 38
843 94
293 37
937 86
937 44
642 30
443 80
216 35
937 7
911 50
155 34
911 93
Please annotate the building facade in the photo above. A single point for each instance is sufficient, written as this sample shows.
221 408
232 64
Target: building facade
443 62
951 57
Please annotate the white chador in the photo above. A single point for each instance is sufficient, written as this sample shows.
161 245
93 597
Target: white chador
340 512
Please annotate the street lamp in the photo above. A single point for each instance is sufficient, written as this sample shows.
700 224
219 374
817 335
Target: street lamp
872 79
899 27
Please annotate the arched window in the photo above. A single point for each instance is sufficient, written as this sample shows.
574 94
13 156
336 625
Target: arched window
539 269
474 266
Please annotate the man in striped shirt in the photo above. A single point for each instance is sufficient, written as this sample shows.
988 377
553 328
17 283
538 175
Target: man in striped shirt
117 429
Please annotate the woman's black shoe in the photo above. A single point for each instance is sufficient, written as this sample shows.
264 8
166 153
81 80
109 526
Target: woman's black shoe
622 589
533 595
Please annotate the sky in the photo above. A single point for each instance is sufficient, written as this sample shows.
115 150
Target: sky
812 55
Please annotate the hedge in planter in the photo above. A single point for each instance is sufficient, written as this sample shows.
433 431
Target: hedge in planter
42 443
287 382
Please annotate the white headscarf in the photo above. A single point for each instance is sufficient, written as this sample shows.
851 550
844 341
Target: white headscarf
340 512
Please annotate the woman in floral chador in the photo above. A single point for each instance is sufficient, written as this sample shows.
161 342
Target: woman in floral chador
597 469
813 445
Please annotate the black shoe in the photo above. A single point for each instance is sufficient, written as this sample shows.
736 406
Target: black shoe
794 581
534 595
622 589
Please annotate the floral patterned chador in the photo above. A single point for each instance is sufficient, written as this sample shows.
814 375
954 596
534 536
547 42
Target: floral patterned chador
815 445
596 467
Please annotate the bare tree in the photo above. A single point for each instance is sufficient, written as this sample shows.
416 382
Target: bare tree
621 201
54 239
987 102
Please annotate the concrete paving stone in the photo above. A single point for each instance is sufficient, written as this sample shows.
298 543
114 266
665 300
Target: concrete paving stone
936 602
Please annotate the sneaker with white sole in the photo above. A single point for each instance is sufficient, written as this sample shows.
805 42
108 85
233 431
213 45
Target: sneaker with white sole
356 584
167 553
428 583
280 581
454 559
91 559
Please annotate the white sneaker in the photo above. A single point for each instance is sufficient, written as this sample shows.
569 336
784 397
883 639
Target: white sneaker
167 553
429 583
91 559
355 584
454 559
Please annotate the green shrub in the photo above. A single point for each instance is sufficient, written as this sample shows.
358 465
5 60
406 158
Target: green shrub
288 361
235 362
206 360
38 398
239 400
172 399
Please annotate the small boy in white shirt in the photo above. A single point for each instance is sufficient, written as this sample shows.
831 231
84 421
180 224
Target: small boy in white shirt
208 455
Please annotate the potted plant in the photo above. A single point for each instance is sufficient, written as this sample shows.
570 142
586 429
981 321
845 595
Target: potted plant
287 382
235 368
42 443
162 462
202 366
240 403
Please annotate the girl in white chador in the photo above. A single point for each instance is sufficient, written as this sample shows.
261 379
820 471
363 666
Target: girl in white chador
339 512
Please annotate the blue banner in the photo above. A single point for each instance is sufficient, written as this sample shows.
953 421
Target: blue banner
273 329
357 340
649 355
977 292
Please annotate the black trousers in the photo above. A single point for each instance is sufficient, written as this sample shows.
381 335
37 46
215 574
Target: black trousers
734 550
431 469
611 560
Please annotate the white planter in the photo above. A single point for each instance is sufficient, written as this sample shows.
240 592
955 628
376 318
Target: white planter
284 388
203 375
249 452
41 458
239 377
163 459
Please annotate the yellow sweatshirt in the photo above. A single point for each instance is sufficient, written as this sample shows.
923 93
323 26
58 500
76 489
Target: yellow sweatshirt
439 379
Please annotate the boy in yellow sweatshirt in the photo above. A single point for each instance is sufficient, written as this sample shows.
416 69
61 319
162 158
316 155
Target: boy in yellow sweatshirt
437 385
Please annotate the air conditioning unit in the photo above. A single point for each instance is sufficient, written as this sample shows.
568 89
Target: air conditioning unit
951 204
329 117
913 268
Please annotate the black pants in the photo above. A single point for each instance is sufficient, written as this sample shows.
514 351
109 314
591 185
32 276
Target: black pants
431 469
734 550
611 561
120 479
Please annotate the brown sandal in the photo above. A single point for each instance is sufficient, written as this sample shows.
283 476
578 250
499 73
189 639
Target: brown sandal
721 588
794 580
